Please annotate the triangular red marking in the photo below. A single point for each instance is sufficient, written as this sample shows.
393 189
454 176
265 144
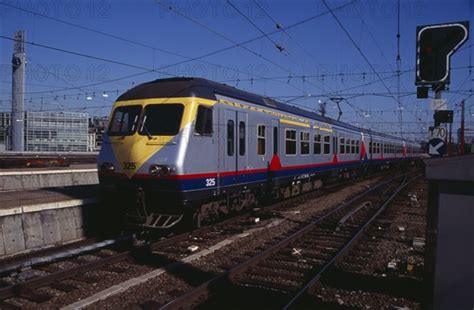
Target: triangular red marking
275 163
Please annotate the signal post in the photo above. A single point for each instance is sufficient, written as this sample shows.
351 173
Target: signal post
449 249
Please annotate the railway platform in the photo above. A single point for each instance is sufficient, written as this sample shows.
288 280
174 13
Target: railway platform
37 218
449 247
31 178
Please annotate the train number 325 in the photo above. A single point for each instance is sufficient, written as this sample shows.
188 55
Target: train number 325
211 182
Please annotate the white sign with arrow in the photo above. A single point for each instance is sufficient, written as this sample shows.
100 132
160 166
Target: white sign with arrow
437 147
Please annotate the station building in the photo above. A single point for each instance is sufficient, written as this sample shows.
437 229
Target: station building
49 131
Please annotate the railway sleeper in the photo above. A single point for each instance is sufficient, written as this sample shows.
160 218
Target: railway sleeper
275 273
299 259
63 287
273 263
281 284
34 295
404 287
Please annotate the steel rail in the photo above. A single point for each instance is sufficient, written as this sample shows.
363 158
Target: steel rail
203 291
348 245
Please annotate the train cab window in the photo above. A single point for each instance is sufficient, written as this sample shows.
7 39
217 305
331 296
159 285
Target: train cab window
357 147
230 138
317 144
203 125
290 142
327 144
241 138
275 140
124 120
353 147
260 140
161 119
304 141
341 145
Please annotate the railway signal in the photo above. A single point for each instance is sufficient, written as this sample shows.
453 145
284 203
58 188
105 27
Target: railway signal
435 45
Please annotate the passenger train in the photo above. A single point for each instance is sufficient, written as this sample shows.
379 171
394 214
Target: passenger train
193 148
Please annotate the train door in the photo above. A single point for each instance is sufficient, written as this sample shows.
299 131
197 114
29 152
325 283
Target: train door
235 154
242 149
371 147
275 137
275 163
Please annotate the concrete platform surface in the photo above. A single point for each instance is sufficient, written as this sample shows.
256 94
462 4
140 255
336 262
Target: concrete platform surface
21 179
21 201
70 167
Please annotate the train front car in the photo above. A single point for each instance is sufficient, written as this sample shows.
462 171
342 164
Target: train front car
145 149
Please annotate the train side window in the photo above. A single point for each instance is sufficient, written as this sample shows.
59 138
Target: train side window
203 125
317 144
230 137
275 140
353 149
260 140
290 142
241 138
327 144
357 147
341 145
304 140
348 146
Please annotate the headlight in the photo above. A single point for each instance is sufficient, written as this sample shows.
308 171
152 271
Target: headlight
154 169
107 167
161 170
165 170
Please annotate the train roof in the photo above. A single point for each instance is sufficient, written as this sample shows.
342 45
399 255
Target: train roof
203 88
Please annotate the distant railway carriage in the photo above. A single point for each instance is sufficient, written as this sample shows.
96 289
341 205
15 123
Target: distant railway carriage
192 146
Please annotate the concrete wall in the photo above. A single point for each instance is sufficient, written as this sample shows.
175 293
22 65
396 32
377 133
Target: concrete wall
16 180
25 231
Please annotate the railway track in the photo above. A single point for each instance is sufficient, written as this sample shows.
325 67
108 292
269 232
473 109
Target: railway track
55 277
280 275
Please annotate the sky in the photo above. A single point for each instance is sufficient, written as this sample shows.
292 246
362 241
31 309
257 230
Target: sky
82 54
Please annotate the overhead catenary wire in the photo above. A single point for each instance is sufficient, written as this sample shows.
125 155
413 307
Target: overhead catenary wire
359 50
296 24
110 35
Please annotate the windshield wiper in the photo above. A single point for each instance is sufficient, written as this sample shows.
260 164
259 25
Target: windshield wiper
144 129
148 134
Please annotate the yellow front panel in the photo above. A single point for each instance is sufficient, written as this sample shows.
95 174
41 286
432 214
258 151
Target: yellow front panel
133 151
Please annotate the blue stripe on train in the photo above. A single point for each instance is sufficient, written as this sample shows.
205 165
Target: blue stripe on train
200 183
